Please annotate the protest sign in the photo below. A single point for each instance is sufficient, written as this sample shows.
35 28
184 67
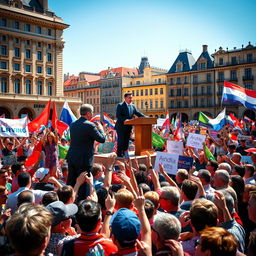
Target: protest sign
185 162
175 147
169 161
14 127
246 160
214 133
106 147
195 140
243 137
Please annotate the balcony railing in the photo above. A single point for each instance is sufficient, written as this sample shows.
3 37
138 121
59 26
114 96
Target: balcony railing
248 78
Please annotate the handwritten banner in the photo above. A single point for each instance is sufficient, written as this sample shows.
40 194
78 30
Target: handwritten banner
195 140
175 147
169 161
14 127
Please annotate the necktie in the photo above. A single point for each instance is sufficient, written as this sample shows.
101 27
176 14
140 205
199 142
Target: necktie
130 109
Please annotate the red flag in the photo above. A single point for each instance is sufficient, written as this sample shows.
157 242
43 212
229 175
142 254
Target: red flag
54 116
31 160
236 121
61 126
42 119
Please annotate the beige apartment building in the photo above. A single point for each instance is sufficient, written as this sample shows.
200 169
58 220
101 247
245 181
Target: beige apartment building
197 85
31 58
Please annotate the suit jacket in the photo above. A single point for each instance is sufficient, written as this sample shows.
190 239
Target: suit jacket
83 133
122 114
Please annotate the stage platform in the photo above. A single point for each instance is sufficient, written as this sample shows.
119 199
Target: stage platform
102 158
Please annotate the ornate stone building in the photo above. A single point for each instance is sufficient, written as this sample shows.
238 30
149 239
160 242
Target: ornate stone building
31 58
197 85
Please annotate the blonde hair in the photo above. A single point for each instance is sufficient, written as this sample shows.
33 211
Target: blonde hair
124 198
153 197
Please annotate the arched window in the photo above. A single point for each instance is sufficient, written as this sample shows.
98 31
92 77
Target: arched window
17 85
28 86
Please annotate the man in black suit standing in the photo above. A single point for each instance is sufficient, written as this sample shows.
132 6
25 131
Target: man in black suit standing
83 133
125 111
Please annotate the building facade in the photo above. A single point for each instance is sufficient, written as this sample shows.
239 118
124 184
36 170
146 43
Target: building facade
31 58
149 90
197 85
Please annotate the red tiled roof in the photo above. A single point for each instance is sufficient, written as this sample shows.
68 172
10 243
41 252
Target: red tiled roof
121 71
91 78
73 80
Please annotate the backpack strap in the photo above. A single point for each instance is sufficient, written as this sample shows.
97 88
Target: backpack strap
68 248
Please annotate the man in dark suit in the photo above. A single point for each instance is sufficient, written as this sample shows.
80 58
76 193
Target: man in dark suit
83 133
125 111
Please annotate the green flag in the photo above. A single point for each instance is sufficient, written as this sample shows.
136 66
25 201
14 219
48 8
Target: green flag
208 153
203 118
63 150
157 140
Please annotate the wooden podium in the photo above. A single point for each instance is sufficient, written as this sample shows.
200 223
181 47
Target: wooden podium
143 133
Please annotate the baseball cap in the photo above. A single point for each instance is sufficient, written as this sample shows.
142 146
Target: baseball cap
41 173
61 211
125 225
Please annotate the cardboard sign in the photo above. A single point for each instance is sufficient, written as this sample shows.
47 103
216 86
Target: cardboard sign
14 127
185 162
195 140
106 147
169 161
175 147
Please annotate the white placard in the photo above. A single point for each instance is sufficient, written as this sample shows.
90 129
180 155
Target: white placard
169 161
175 147
14 127
244 137
195 140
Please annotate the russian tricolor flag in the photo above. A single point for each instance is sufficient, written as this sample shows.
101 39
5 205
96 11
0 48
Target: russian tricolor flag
67 115
233 93
110 122
96 118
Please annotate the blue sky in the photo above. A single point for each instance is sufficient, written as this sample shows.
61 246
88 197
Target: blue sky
118 33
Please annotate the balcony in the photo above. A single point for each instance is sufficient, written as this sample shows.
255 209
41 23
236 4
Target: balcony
238 62
233 79
220 80
248 78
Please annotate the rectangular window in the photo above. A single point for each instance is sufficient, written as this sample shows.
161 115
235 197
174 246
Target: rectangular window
49 89
203 65
17 52
39 69
195 91
3 81
248 73
39 44
49 46
49 57
203 90
156 91
233 76
3 49
220 89
27 42
28 68
220 61
38 30
3 65
209 102
142 104
141 92
3 38
233 60
221 77
161 91
185 91
27 27
3 22
49 71
171 80
49 32
185 79
178 104
39 87
249 58
172 103
39 55
16 66
178 80
178 92
137 92
209 90
202 102
150 91
16 40
161 104
28 86
28 54
156 104
146 92
137 82
151 104
248 86
16 25
195 103
172 92
208 77
185 103
195 79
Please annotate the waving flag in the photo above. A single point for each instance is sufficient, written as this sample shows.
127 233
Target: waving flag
179 134
41 120
166 123
110 122
217 123
67 115
96 118
233 93
236 122
247 119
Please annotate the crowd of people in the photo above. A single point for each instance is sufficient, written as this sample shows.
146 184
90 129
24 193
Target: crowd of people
125 206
